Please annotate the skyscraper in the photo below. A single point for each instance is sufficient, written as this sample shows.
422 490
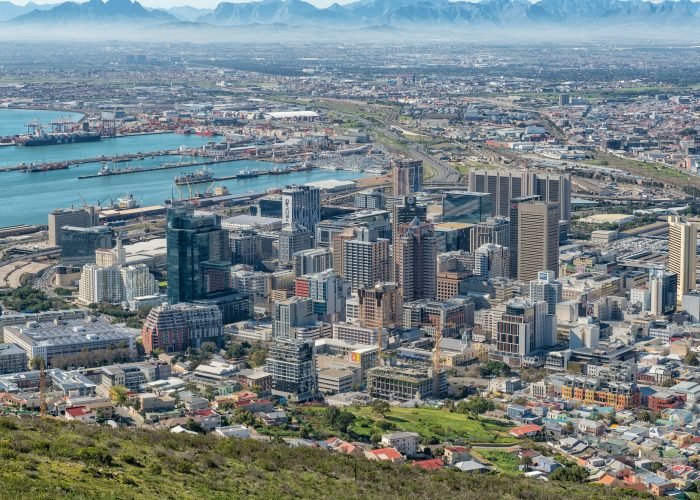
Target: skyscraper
415 260
301 205
198 255
682 255
78 244
506 186
503 186
546 288
534 237
663 287
404 212
366 259
466 206
407 177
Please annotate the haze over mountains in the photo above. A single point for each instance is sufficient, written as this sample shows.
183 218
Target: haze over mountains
373 15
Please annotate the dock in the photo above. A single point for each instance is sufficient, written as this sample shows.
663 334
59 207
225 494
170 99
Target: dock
253 174
164 166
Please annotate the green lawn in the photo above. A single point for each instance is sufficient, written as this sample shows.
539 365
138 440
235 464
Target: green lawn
504 461
429 422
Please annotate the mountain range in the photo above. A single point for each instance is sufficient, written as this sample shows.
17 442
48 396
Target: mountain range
371 13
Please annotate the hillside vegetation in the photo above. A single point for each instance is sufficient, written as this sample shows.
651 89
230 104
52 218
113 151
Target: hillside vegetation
55 459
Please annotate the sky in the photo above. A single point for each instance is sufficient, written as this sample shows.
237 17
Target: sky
204 4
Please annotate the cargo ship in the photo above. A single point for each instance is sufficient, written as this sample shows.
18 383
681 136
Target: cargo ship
52 139
199 176
109 170
46 167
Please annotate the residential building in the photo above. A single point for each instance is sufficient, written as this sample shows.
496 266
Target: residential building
13 359
546 288
446 319
379 306
293 239
312 261
292 366
664 288
524 328
328 292
290 314
405 442
366 259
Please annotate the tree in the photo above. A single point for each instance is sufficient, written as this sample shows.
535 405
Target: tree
118 394
380 407
475 406
344 420
568 428
655 466
258 357
572 473
690 359
526 462
645 416
332 414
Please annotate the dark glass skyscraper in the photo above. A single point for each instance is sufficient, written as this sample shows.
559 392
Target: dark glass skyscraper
199 255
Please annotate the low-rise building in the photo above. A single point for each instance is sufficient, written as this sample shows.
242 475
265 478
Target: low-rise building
406 442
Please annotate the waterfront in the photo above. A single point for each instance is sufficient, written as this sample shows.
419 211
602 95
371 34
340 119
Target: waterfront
14 121
29 197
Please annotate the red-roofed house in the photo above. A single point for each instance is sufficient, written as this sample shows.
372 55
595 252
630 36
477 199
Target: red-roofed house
525 431
207 418
81 414
385 454
431 464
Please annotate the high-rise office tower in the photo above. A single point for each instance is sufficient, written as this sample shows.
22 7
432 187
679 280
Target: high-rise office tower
407 176
546 288
553 188
380 305
301 205
198 255
366 259
492 261
682 255
503 186
78 244
492 230
663 287
75 217
466 206
415 260
534 238
506 186
293 238
312 261
293 368
404 212
338 246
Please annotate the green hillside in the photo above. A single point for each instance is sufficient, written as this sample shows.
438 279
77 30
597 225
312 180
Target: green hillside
54 459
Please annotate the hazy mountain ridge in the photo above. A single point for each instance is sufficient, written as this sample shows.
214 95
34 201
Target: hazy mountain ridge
366 13
113 11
